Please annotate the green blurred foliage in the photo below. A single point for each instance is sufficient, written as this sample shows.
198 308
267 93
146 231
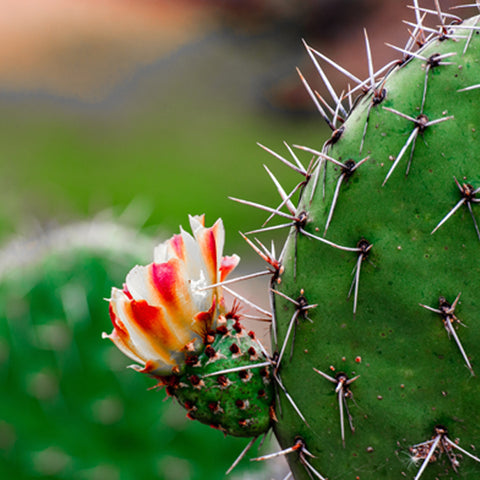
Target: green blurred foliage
67 162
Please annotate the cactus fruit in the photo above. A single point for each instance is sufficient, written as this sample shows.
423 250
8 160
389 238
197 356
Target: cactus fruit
220 388
381 366
171 318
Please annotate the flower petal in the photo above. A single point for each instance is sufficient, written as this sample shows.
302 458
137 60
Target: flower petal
143 328
211 241
164 308
172 248
121 338
227 266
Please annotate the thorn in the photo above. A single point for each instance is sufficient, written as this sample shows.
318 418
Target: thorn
364 84
297 161
348 169
468 5
328 242
310 468
262 207
468 454
315 101
334 202
342 382
301 308
269 229
417 37
335 65
248 302
242 454
235 280
431 451
400 114
301 170
369 60
326 105
335 114
434 12
447 312
297 446
277 378
440 441
467 89
327 83
286 198
469 206
238 369
269 257
468 194
421 124
319 154
364 248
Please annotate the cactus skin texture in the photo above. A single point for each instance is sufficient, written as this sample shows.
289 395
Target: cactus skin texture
405 378
236 402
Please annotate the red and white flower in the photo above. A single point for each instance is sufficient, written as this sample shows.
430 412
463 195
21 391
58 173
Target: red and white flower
164 309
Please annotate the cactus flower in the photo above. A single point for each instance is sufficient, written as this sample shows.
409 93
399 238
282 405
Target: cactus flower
164 309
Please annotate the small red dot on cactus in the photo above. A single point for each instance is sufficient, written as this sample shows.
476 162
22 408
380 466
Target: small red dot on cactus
222 330
210 351
252 352
237 327
251 335
194 380
234 348
191 360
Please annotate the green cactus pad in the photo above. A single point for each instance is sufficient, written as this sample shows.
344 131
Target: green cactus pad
392 356
239 402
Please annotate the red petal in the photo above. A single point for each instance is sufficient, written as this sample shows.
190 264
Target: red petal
172 290
151 321
208 247
121 338
204 320
177 245
227 265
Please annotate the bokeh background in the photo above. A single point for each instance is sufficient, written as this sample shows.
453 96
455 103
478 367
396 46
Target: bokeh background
118 118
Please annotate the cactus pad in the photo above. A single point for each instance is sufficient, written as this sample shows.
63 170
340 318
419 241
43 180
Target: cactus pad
384 247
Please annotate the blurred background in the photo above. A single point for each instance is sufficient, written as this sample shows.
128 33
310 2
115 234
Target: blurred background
118 118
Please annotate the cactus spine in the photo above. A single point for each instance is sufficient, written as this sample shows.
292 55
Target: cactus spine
383 369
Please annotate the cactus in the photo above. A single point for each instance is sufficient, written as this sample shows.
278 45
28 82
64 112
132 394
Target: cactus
374 370
379 367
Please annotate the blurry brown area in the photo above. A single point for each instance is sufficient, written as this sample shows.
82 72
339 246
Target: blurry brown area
84 48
